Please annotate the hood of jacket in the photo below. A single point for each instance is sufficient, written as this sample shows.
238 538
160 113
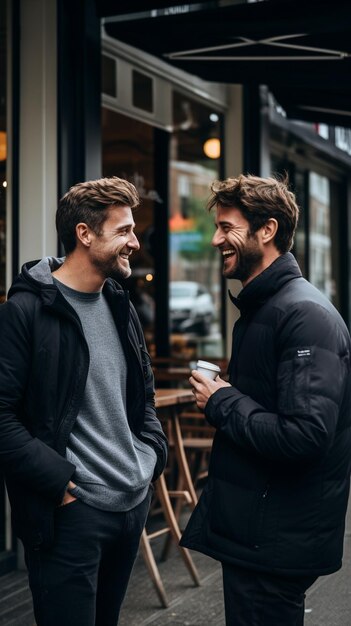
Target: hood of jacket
36 277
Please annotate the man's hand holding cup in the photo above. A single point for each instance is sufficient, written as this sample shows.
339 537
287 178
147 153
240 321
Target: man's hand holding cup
205 381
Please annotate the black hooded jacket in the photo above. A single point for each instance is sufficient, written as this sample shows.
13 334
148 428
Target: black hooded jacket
279 473
44 361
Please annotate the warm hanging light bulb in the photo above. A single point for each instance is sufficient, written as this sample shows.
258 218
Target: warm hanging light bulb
212 148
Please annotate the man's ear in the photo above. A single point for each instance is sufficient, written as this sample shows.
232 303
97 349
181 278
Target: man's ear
84 234
269 230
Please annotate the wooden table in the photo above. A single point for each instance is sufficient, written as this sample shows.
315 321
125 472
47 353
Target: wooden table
173 397
172 376
169 402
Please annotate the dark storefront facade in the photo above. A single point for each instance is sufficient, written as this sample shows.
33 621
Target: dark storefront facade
77 103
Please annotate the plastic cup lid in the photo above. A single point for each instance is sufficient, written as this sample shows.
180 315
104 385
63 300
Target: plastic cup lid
208 366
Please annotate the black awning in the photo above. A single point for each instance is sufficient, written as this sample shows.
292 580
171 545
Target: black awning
301 50
106 8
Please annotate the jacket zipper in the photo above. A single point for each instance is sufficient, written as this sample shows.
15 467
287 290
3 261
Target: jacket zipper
261 515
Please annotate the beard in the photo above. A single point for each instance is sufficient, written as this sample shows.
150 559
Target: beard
249 257
110 268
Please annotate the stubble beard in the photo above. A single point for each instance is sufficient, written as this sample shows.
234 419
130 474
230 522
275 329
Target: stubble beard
248 258
110 269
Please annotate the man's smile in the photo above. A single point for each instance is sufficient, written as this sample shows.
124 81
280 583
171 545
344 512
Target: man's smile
227 253
125 255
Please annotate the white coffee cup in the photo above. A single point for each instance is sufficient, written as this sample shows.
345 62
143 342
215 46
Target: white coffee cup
210 370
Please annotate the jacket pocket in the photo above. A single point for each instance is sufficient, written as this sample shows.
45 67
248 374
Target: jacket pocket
196 531
293 382
33 519
239 513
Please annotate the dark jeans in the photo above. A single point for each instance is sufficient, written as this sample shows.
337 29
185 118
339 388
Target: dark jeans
82 579
261 599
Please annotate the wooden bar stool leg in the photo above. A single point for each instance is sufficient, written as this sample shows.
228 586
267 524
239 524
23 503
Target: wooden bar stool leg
184 476
183 466
152 568
177 509
162 493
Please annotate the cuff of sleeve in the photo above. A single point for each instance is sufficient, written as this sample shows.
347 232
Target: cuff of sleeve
68 475
214 408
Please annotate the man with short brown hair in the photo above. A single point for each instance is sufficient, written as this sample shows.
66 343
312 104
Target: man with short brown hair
79 439
273 510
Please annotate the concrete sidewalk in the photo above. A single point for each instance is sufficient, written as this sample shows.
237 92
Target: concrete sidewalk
328 601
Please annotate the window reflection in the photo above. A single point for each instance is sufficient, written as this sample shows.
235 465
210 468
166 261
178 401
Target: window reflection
142 90
320 235
128 152
300 235
108 76
194 263
317 237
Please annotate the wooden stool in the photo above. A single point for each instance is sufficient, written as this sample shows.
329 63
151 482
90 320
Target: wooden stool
172 527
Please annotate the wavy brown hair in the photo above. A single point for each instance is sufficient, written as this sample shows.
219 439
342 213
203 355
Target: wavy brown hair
260 199
88 202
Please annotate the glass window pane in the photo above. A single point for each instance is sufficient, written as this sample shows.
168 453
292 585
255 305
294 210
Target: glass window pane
299 249
142 92
195 266
128 152
108 76
280 167
320 241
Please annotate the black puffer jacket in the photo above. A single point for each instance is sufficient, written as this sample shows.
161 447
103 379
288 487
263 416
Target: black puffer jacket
278 483
44 362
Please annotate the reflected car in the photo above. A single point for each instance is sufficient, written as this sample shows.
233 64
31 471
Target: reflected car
191 307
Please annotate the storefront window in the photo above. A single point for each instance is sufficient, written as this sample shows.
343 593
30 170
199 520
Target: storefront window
142 89
195 291
317 237
109 76
299 249
320 243
128 152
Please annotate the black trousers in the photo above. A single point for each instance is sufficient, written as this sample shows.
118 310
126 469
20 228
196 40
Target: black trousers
82 579
261 599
